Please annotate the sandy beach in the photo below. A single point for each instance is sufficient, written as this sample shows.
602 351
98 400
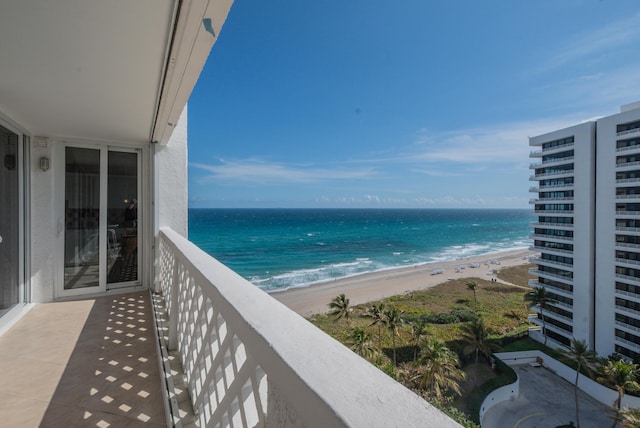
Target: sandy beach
378 285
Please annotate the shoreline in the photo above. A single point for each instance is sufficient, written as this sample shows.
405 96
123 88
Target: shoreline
372 286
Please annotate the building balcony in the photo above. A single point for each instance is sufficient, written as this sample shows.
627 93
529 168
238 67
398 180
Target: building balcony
628 278
624 165
551 288
552 150
540 200
624 181
627 245
560 161
628 311
628 295
631 149
556 186
552 263
634 346
221 352
550 275
627 262
548 314
628 197
628 229
560 226
541 249
627 213
247 357
551 238
628 132
548 325
630 328
554 212
556 174
83 363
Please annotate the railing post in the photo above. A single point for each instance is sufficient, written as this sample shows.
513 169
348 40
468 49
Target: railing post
174 289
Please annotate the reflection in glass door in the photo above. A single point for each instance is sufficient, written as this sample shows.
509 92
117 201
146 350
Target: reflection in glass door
101 219
9 220
122 209
82 218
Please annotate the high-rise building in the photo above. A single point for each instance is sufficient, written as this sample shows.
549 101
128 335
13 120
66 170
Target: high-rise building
588 232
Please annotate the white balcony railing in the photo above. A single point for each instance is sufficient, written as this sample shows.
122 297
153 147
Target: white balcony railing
250 361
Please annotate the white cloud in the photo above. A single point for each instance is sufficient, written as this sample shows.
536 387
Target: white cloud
261 172
598 42
602 90
503 143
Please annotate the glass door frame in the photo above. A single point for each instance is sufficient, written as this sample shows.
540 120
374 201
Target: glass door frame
22 164
59 196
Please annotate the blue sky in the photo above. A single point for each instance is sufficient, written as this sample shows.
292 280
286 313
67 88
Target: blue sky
417 104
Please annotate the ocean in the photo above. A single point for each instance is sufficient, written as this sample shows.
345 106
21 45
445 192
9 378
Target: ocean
277 249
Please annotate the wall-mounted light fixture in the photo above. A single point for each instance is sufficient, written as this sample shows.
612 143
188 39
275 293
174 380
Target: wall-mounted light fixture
44 164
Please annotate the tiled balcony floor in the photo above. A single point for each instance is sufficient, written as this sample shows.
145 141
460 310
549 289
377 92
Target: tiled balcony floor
88 363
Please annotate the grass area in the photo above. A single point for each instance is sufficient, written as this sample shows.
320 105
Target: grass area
517 275
446 308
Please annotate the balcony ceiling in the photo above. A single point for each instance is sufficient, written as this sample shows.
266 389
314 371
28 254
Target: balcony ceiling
84 69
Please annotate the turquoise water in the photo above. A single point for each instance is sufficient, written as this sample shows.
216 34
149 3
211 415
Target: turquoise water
284 248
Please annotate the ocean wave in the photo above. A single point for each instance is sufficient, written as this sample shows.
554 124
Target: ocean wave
308 277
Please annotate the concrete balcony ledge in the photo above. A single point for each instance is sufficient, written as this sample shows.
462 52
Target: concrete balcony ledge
251 361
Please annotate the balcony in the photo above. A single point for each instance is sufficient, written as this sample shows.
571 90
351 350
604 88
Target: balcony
628 278
552 263
635 147
249 359
624 181
83 363
563 226
226 354
560 199
550 275
627 229
628 132
551 150
552 211
628 197
557 174
551 238
551 162
551 289
623 165
549 250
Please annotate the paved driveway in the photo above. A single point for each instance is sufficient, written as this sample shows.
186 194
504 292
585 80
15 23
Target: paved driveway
546 400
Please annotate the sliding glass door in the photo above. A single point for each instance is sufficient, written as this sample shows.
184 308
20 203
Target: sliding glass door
10 220
101 216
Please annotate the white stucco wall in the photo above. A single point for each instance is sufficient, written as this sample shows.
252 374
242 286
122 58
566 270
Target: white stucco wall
606 230
43 224
170 165
583 224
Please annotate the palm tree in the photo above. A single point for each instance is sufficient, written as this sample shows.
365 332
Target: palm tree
376 312
393 321
580 352
418 329
340 307
541 298
630 418
622 375
360 342
476 335
441 370
473 286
